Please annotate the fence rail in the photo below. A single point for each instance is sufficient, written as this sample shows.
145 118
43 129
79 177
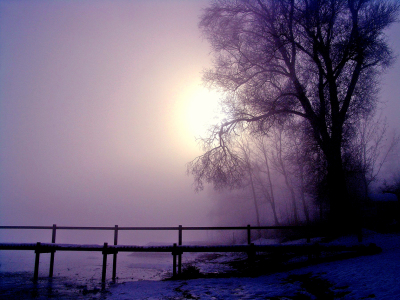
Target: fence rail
176 249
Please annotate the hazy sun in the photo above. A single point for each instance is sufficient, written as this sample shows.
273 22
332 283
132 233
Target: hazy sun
201 110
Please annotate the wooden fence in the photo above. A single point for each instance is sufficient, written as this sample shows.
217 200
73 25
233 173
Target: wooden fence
176 249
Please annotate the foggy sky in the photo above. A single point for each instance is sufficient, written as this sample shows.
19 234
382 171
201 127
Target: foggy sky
94 104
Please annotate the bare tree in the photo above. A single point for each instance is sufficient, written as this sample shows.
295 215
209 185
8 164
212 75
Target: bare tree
372 148
393 187
244 146
280 163
288 154
275 59
266 186
298 159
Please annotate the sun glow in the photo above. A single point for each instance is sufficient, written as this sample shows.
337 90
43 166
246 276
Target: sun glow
202 110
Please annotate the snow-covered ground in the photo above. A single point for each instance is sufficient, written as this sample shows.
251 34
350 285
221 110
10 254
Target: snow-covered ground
364 277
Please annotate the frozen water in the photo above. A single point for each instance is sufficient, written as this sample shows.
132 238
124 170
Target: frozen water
140 274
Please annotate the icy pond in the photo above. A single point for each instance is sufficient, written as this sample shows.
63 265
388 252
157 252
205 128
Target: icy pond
75 273
139 277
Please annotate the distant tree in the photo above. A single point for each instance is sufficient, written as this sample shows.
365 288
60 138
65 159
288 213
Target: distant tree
299 158
393 187
245 148
265 182
289 157
371 148
316 60
280 162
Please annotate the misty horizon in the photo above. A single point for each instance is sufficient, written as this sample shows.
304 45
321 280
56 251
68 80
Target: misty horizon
101 104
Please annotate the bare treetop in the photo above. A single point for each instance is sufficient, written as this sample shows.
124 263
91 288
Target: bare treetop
306 59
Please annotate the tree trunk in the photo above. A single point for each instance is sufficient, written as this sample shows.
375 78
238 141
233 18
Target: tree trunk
250 171
286 177
303 199
255 201
299 163
341 216
272 197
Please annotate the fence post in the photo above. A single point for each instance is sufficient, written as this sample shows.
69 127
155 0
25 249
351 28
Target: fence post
114 272
37 258
103 274
180 255
251 253
248 235
174 260
53 240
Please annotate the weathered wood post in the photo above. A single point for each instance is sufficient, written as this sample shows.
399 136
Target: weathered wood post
53 240
114 272
103 274
180 255
251 253
37 258
248 235
174 250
